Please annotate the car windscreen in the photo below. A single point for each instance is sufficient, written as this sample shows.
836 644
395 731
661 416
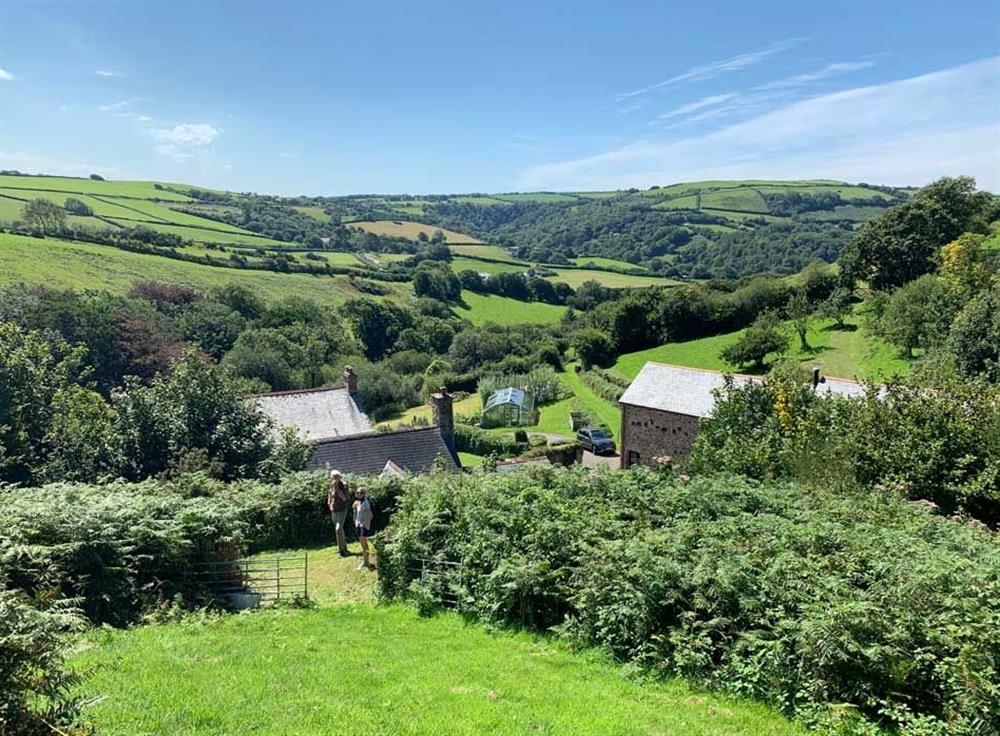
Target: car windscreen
598 434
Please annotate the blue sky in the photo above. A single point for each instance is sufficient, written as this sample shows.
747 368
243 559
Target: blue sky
318 98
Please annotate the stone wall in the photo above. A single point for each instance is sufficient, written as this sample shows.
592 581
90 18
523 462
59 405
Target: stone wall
653 433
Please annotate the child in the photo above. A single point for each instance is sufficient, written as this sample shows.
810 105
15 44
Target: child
363 515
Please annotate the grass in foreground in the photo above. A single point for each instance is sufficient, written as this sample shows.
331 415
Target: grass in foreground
381 670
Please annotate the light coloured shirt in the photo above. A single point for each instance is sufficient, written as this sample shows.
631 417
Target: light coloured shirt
363 513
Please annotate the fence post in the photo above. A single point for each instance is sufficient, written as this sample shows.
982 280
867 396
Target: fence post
277 575
305 578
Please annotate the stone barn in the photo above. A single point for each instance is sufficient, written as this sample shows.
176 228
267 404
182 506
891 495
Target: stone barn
663 408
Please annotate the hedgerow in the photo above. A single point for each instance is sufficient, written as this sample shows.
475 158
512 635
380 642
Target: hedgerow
122 548
853 611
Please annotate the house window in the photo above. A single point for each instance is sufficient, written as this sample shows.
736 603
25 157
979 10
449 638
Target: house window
632 459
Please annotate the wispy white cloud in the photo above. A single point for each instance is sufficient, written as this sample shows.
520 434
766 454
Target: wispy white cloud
690 107
185 140
830 70
108 74
118 106
6 76
715 68
905 132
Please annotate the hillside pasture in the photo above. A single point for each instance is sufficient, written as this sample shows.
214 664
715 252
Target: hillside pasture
491 267
575 277
154 212
684 202
610 263
132 189
200 235
410 230
100 207
316 213
536 197
483 308
850 353
64 264
741 200
483 251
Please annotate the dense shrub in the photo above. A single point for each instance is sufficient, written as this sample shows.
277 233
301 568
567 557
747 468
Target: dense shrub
35 687
480 442
121 548
821 603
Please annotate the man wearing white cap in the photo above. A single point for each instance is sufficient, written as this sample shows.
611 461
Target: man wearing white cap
336 501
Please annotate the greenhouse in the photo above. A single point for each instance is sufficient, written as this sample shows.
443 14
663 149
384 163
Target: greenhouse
509 407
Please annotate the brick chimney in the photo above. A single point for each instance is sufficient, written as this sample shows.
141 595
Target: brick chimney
350 379
442 413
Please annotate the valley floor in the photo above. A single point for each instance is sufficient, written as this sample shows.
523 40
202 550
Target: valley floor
351 665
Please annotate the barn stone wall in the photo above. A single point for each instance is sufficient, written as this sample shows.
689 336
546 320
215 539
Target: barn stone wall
653 433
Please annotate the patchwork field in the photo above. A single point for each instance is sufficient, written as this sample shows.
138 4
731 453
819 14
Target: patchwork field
848 353
483 251
482 308
199 234
410 230
577 276
608 263
64 264
474 264
300 671
138 189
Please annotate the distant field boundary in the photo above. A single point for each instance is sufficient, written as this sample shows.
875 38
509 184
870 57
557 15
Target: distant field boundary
97 196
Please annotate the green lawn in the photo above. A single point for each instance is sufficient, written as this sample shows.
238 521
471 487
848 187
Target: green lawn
468 405
138 189
482 308
349 665
849 353
554 418
64 264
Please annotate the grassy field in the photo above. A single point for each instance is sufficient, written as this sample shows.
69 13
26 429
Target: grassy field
137 189
576 276
744 200
63 264
410 230
152 211
849 353
349 664
316 213
201 235
536 197
685 202
482 308
483 251
459 263
99 206
607 263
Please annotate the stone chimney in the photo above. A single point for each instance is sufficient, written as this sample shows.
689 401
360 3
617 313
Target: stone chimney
442 413
350 379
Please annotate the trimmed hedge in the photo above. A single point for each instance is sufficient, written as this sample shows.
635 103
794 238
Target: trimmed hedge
853 611
479 442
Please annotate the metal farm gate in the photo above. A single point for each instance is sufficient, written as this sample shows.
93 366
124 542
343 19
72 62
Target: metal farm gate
253 582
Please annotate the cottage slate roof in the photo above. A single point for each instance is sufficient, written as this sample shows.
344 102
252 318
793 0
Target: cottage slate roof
688 391
409 450
319 414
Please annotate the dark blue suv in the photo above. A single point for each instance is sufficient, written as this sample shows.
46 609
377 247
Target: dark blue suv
596 440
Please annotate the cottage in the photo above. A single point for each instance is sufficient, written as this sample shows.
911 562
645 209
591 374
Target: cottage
663 407
343 436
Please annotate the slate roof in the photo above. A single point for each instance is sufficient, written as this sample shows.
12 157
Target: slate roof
410 450
688 391
319 414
